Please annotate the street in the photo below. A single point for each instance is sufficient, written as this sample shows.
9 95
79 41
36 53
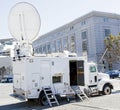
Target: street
105 102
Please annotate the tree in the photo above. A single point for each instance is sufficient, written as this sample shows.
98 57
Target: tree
113 49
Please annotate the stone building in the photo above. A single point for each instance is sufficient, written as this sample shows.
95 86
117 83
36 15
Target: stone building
83 35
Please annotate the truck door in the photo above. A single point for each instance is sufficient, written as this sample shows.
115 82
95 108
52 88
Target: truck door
93 75
73 72
76 73
35 84
45 77
80 73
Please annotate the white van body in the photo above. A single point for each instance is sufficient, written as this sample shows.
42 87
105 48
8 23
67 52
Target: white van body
59 73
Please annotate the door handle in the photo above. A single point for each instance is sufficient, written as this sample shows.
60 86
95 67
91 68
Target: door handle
95 78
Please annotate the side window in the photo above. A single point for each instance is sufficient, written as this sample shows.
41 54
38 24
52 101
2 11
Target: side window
57 79
92 69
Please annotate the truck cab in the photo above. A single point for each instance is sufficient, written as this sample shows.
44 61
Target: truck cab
85 75
98 83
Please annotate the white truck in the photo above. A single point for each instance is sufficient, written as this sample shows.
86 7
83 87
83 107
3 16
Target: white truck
44 77
61 74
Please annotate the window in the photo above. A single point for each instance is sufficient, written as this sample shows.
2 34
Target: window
83 22
92 69
35 50
59 45
72 44
53 46
105 19
84 45
44 48
48 48
84 41
103 62
57 79
40 49
65 43
84 35
107 32
110 66
72 27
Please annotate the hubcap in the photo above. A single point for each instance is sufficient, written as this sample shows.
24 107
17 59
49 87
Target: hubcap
107 90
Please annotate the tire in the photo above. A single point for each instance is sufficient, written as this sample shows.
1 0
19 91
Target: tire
106 90
43 100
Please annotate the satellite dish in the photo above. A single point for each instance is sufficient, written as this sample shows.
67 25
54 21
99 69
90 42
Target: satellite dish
24 22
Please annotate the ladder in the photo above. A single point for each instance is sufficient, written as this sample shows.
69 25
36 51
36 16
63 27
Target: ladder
50 96
80 93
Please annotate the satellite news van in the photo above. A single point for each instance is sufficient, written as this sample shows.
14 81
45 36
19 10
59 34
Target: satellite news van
44 77
61 74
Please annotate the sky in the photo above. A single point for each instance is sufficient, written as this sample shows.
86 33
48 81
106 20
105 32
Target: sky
55 13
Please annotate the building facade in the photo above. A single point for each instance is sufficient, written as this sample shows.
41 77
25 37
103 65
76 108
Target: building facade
83 35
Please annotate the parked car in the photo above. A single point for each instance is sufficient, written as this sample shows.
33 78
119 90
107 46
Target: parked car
7 80
113 73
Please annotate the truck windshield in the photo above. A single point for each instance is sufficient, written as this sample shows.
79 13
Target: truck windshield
92 69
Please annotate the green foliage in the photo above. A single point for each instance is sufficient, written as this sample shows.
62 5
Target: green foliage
113 45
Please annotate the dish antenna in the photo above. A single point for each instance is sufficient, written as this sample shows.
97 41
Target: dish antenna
24 22
24 25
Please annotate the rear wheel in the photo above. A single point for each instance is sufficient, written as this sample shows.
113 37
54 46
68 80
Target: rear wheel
43 100
106 90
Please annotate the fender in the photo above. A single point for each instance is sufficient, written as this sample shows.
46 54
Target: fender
104 82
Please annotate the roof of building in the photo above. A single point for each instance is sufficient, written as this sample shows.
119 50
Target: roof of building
99 14
7 39
91 14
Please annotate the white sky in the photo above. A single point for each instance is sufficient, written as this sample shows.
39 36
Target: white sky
55 13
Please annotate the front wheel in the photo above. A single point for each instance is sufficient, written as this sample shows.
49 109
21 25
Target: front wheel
106 90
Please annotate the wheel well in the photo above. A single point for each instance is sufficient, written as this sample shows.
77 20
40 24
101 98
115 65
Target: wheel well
41 93
41 99
108 84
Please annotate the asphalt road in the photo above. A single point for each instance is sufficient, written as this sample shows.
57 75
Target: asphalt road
106 102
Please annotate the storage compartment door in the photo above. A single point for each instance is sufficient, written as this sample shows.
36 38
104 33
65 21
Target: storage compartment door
35 80
17 81
80 73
